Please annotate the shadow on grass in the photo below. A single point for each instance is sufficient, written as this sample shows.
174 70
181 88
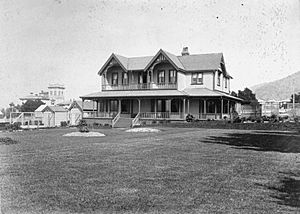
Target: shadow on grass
260 141
287 192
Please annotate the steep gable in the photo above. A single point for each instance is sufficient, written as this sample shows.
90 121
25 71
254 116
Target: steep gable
163 56
114 60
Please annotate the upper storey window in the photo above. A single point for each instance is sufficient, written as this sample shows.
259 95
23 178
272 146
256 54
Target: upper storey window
219 79
226 82
161 76
114 80
172 76
197 78
125 78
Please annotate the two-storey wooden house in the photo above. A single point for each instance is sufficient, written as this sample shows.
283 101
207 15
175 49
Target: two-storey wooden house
162 87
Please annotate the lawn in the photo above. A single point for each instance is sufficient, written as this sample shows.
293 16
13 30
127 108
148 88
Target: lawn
178 170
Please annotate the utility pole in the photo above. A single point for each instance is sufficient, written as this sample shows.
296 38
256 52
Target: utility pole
293 94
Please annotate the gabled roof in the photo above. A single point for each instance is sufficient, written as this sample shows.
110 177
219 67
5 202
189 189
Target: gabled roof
88 106
54 109
122 61
138 63
41 107
201 62
170 57
195 62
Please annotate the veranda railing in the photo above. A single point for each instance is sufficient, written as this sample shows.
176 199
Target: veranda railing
140 86
161 115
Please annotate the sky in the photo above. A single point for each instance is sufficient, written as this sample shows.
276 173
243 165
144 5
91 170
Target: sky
67 41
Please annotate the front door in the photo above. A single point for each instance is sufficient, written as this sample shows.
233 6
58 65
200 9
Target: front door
125 107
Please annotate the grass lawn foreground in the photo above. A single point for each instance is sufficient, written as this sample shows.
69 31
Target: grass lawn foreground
177 170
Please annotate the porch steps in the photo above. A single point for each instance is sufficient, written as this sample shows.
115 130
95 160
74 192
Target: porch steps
123 122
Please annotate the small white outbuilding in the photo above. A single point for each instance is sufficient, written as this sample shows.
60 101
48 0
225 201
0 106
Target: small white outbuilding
54 115
76 111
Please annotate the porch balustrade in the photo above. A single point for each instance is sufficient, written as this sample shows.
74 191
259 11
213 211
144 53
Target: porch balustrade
160 115
100 114
141 86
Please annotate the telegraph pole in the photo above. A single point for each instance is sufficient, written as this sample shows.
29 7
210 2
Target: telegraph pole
293 94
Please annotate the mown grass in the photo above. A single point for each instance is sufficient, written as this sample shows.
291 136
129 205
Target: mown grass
179 170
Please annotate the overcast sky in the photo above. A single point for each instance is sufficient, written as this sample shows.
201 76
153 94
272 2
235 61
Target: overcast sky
67 41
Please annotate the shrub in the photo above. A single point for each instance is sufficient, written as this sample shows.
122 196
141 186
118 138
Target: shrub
189 118
237 120
7 141
63 123
259 120
82 126
95 125
273 116
14 126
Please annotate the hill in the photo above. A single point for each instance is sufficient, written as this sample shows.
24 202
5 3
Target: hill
278 90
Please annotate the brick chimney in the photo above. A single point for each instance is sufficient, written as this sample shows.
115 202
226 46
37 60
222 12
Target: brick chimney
185 51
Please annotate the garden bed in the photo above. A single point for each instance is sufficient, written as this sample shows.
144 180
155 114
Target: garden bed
282 126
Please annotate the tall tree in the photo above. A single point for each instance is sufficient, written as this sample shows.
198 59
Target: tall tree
247 95
31 105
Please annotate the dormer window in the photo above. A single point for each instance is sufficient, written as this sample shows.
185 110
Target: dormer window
197 78
114 80
219 79
172 76
124 78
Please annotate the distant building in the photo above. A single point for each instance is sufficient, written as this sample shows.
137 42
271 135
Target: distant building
53 96
277 107
56 93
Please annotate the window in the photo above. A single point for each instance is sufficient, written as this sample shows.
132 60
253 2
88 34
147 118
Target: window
140 80
54 93
225 82
161 105
219 78
161 76
124 78
114 105
172 76
197 78
210 107
51 93
114 80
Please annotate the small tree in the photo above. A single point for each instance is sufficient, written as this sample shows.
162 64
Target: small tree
82 126
31 105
